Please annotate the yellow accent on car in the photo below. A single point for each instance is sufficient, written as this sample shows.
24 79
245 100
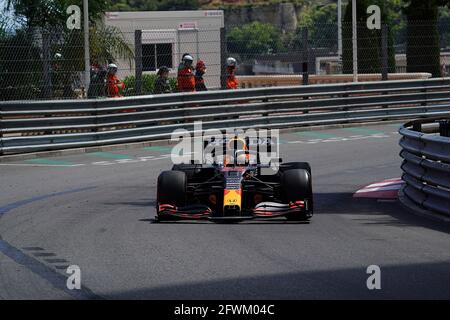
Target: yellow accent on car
232 198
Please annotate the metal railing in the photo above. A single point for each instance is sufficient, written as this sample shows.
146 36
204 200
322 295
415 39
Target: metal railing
45 125
426 163
292 80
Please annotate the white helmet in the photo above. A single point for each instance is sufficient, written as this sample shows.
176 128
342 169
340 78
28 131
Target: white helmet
188 58
112 67
231 62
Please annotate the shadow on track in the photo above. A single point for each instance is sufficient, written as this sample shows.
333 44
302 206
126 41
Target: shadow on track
412 281
372 211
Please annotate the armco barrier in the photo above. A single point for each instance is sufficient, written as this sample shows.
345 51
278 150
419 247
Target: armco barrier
44 125
293 79
426 164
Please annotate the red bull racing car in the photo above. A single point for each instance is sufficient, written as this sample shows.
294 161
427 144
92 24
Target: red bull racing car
237 188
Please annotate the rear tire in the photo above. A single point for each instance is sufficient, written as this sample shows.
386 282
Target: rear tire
296 185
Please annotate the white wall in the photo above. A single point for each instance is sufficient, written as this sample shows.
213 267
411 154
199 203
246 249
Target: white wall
203 42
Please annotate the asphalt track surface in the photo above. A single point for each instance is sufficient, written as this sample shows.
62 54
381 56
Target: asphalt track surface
95 211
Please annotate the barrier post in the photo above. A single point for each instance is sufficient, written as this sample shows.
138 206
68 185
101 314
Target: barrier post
444 128
384 55
417 126
47 79
305 58
223 58
1 133
138 61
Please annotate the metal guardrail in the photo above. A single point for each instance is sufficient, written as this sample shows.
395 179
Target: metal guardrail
426 163
294 79
44 125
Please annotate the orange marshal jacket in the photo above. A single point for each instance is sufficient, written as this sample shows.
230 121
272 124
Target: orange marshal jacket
232 82
186 80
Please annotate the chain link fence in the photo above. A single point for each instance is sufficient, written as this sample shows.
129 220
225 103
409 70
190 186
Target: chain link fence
37 64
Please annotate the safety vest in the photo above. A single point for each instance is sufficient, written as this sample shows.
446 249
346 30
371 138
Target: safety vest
232 82
185 80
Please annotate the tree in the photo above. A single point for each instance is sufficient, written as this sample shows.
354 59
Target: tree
21 66
254 38
322 26
423 47
46 19
369 41
444 27
51 13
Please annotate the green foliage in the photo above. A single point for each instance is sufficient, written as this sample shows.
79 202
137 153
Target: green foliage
48 17
51 13
108 44
369 41
423 47
254 38
19 79
148 84
321 24
444 26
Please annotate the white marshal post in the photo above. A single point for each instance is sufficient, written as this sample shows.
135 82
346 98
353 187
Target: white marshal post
86 45
355 42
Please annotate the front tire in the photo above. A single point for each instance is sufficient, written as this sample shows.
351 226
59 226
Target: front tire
296 185
171 189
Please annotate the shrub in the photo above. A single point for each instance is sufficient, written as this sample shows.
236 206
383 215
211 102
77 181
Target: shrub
148 84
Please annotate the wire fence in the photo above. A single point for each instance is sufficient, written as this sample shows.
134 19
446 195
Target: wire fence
36 64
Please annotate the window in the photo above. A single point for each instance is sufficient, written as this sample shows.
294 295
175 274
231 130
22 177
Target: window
156 55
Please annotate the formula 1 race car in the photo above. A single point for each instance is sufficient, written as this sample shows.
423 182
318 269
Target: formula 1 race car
235 189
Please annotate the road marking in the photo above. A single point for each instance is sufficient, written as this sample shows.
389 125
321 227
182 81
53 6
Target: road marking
108 155
340 139
158 149
334 139
44 254
102 163
128 160
40 165
33 248
56 260
6 208
49 162
124 159
55 279
163 156
363 130
315 134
